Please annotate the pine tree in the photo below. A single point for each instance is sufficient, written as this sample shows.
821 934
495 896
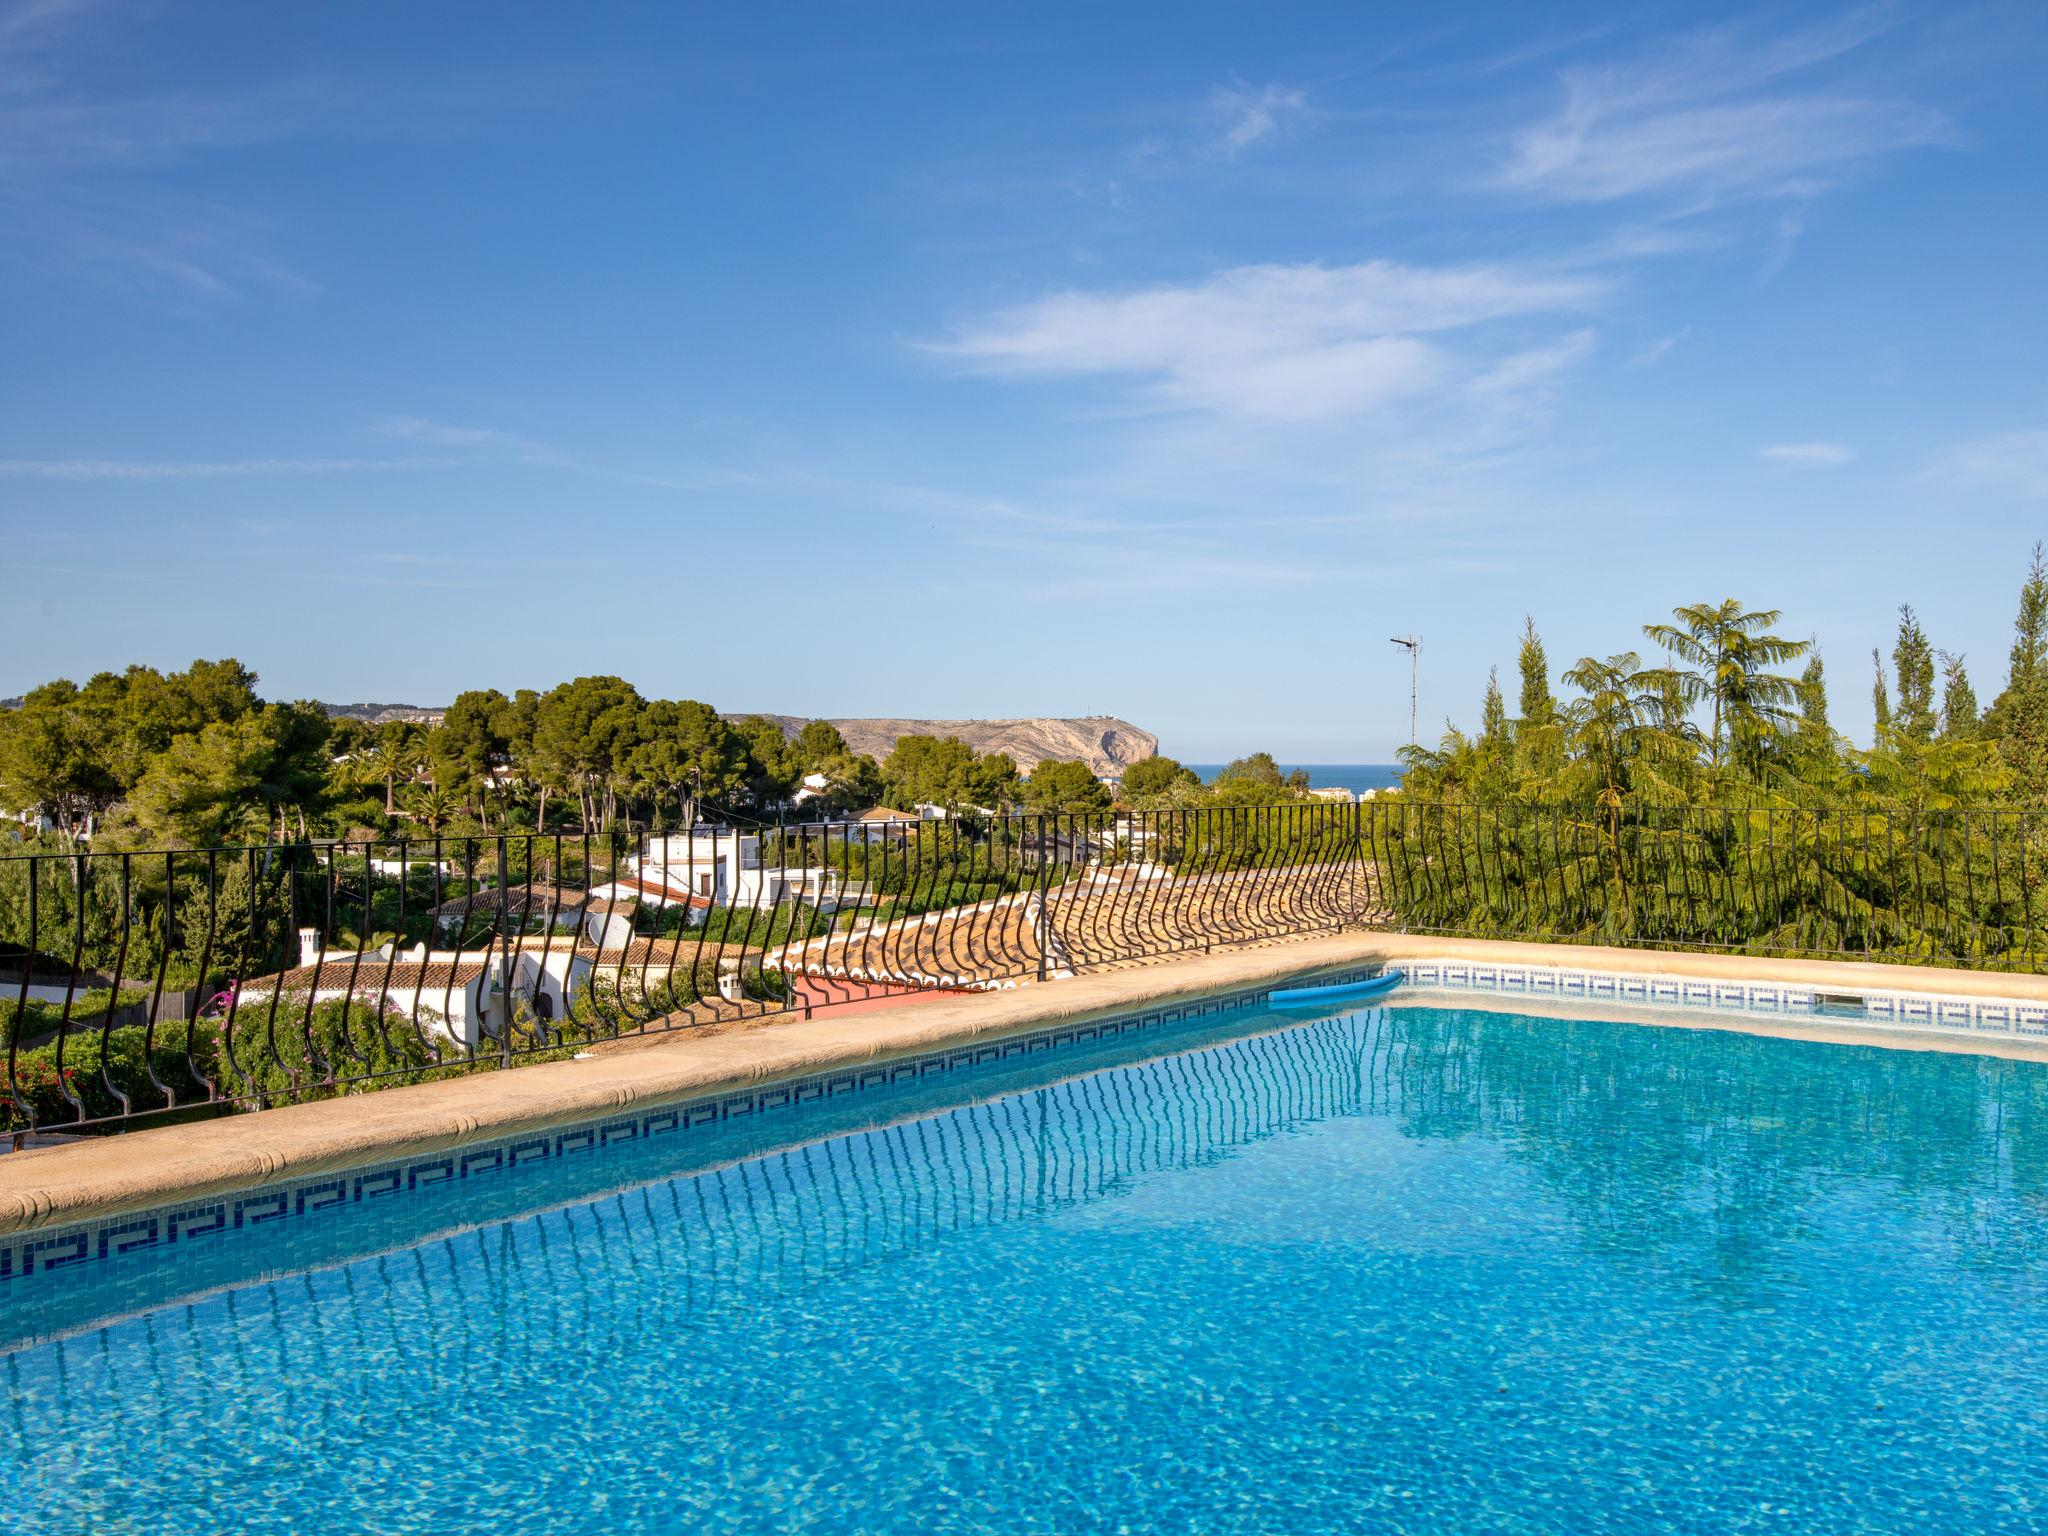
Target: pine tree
1538 706
1879 703
1959 715
1493 719
1913 661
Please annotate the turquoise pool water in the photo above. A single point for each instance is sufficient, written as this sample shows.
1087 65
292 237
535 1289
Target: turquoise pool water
1410 1269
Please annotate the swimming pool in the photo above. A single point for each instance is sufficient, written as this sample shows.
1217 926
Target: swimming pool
1407 1269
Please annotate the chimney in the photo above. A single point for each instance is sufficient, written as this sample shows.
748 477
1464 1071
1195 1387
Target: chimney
309 946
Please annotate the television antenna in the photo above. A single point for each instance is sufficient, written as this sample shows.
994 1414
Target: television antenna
1412 644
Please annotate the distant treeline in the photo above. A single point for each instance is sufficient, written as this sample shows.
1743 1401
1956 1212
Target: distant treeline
195 758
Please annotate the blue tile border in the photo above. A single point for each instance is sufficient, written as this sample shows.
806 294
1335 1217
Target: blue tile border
219 1219
1883 1009
48 1251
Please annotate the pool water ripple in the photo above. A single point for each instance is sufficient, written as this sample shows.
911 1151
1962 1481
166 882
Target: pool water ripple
1410 1269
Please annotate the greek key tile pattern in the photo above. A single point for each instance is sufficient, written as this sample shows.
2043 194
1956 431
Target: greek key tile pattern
28 1256
1910 1012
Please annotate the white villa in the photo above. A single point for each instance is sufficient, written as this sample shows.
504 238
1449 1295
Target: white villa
462 995
717 866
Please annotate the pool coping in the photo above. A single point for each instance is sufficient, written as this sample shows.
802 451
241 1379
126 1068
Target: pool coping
110 1176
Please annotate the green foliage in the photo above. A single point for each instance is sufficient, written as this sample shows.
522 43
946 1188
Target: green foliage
1635 825
1538 706
1060 785
1913 663
944 770
1493 715
1815 746
819 744
85 1076
773 763
1933 887
1152 778
1960 717
234 781
1728 651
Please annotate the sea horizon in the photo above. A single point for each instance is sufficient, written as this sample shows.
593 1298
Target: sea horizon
1355 777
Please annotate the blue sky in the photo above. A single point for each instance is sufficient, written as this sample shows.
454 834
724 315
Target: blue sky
992 360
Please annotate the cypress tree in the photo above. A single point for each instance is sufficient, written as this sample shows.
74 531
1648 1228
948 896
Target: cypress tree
1959 714
1879 703
1816 737
1493 719
2030 629
1913 661
1538 707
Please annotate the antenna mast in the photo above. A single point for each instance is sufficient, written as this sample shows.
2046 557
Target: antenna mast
1412 644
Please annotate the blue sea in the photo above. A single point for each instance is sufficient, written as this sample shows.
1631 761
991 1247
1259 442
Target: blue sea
1410 1270
1355 777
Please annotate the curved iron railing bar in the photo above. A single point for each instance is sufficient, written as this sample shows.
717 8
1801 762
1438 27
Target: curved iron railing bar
79 886
114 991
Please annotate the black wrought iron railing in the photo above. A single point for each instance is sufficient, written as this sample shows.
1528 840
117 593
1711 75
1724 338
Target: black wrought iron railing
139 985
135 986
1944 887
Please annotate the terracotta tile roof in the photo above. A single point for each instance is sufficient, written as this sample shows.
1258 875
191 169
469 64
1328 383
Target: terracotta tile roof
517 898
332 976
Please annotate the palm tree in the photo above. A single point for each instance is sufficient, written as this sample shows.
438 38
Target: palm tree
1728 650
432 806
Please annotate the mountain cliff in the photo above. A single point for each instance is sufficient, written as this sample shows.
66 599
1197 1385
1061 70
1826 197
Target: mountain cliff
1106 744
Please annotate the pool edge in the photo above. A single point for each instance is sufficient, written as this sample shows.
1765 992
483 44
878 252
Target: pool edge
107 1177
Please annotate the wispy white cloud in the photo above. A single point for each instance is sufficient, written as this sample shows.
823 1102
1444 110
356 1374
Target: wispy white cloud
490 444
1657 348
2012 461
1285 343
416 429
1246 117
1811 455
182 469
1718 116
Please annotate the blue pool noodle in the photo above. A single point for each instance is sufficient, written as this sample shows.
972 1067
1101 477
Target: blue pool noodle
1343 991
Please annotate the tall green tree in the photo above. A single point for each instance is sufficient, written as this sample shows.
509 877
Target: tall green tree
1061 785
2018 718
1493 716
683 753
1728 651
774 765
471 741
2029 667
944 770
1880 701
1913 664
1258 769
56 756
1155 777
1538 706
236 781
1816 738
583 732
817 744
1614 718
1959 712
